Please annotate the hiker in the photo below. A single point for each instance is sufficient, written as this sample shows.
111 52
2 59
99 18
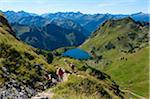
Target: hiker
65 60
60 73
72 66
93 54
48 77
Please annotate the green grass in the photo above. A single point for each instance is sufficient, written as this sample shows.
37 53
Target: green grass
132 74
83 86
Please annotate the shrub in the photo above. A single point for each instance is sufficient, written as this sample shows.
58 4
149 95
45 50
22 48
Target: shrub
109 46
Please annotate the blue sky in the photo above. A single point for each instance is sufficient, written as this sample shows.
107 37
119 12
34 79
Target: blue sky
84 6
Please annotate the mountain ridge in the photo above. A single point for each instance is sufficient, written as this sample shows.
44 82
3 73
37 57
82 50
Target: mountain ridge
114 45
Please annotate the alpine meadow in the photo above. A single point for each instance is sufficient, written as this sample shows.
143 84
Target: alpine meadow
67 49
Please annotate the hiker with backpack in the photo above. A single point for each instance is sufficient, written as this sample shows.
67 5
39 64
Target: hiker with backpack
48 77
60 73
72 67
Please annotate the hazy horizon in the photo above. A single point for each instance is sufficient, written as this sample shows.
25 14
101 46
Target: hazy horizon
70 12
86 7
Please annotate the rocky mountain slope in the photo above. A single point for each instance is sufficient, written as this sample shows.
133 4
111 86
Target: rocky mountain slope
70 24
21 69
120 48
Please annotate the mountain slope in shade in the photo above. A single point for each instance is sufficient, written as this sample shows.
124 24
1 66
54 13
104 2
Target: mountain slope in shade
50 36
140 16
26 25
21 69
120 48
70 24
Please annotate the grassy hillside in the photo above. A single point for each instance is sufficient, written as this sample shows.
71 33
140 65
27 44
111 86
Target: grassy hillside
132 73
124 35
120 48
85 86
18 62
87 82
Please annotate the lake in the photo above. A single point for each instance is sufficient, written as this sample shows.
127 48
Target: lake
77 54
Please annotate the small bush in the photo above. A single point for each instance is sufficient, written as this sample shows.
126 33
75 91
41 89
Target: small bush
109 46
89 70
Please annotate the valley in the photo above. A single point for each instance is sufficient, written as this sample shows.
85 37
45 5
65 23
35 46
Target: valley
101 56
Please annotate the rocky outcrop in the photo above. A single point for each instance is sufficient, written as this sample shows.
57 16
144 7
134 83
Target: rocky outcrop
16 90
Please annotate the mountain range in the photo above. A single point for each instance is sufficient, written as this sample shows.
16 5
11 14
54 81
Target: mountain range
77 27
92 21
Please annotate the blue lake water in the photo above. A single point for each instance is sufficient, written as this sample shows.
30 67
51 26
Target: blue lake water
77 54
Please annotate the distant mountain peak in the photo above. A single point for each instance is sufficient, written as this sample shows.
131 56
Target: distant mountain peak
123 20
21 11
139 13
